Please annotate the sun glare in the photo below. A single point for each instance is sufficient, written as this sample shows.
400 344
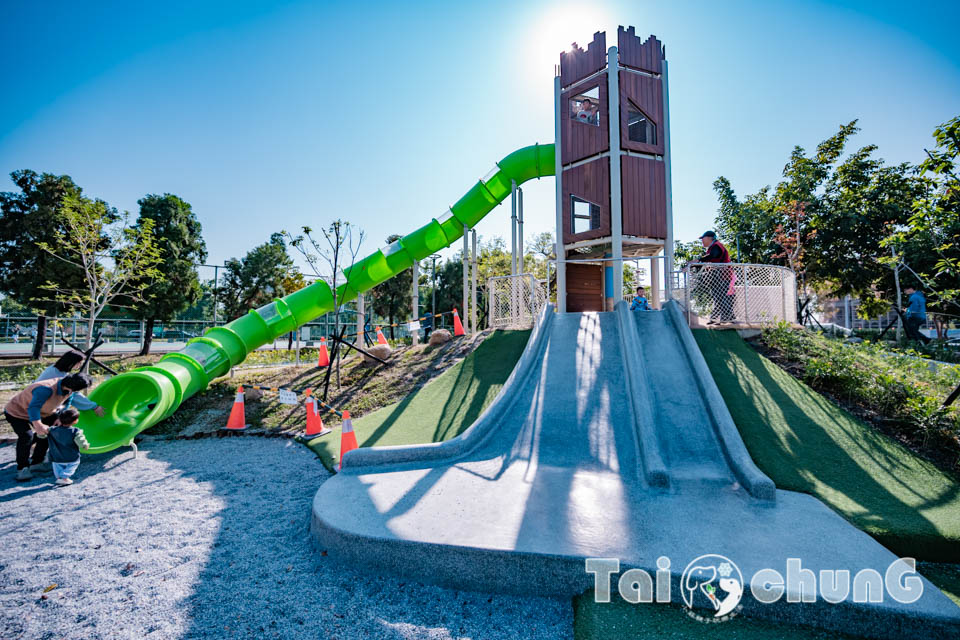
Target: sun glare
563 25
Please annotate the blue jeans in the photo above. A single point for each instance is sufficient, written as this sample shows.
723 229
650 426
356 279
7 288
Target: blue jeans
64 469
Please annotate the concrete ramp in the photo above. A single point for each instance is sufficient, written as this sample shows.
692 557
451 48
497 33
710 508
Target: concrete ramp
609 439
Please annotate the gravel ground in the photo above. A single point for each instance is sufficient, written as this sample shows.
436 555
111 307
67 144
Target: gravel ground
209 539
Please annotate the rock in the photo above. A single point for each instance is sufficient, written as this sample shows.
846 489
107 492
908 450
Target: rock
382 351
440 336
252 395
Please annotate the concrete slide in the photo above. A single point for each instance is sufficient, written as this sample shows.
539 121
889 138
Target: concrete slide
141 398
610 439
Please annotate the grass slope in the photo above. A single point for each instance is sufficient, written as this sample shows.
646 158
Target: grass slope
806 443
441 409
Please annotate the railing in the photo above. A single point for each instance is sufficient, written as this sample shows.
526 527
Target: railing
515 301
735 293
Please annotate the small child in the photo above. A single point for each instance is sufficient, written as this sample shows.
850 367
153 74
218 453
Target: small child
639 302
65 442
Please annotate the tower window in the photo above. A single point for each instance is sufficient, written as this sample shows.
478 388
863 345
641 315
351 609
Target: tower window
585 107
586 215
639 126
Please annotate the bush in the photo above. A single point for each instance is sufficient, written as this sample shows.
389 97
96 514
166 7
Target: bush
897 385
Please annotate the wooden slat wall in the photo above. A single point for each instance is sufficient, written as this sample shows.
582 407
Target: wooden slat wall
584 287
591 182
644 197
645 56
646 93
582 140
578 64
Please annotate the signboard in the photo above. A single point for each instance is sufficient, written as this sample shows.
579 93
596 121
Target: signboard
288 397
413 326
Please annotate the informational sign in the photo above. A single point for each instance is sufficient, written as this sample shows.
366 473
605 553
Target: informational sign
288 397
305 333
413 326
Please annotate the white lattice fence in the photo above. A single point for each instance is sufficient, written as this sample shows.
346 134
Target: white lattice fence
515 301
738 293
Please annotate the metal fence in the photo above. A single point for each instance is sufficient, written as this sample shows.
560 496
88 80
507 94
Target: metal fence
515 301
735 293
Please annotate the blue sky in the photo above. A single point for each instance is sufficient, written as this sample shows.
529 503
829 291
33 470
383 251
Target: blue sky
269 116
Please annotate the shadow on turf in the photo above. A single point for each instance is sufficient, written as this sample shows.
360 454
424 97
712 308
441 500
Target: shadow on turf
806 454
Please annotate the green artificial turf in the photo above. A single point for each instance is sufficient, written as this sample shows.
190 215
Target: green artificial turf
621 619
806 443
441 409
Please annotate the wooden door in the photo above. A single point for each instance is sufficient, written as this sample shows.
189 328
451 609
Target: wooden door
584 287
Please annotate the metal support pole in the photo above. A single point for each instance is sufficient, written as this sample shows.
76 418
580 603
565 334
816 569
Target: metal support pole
433 291
558 178
896 281
521 267
415 300
667 160
513 228
473 285
616 201
654 282
464 311
216 285
361 319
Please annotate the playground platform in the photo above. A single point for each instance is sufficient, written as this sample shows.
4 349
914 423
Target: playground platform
609 440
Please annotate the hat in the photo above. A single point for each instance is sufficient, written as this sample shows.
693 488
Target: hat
708 234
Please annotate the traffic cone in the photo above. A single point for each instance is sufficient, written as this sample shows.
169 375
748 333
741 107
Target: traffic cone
380 338
315 427
324 360
457 325
237 421
348 439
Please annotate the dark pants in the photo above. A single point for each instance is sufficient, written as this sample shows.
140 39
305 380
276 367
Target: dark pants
913 330
722 303
25 439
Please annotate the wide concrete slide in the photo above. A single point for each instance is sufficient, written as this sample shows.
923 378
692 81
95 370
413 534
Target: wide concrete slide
606 441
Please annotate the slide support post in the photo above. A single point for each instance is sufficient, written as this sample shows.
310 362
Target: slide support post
616 201
558 177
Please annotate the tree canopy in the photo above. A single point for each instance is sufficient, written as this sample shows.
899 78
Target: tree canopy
256 279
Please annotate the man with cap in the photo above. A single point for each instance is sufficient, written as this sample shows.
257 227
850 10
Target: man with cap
722 279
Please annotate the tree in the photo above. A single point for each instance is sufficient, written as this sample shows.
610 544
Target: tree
27 218
256 279
929 242
392 298
178 236
686 252
343 242
118 262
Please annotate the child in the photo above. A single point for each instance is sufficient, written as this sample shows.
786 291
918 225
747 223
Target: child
65 442
639 302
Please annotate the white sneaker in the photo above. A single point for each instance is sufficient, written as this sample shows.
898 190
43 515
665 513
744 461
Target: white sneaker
24 474
64 481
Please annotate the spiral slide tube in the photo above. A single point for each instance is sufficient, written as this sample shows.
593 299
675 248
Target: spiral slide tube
141 398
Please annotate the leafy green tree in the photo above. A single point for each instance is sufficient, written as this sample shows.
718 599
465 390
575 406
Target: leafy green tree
929 243
118 262
392 298
256 279
685 252
29 217
179 237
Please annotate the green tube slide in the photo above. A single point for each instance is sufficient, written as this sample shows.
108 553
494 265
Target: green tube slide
141 398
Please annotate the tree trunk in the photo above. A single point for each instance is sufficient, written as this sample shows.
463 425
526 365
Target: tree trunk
148 336
290 341
392 337
88 341
41 337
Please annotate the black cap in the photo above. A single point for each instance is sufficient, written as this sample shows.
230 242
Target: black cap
708 234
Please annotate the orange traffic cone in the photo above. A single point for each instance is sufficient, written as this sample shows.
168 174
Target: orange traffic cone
457 325
237 421
315 427
324 360
380 338
348 439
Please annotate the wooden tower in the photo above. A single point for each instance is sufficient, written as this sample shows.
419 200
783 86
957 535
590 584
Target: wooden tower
613 168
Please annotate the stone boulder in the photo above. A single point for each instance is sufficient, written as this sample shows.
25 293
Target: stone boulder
382 351
440 336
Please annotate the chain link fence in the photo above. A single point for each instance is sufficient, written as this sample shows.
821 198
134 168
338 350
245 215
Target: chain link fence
737 293
515 301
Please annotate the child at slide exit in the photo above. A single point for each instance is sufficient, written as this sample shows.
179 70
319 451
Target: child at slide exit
65 442
639 302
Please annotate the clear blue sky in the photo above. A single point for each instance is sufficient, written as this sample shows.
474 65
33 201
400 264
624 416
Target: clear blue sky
269 116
